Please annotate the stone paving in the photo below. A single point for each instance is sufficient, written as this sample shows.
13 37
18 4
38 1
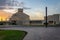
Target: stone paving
39 33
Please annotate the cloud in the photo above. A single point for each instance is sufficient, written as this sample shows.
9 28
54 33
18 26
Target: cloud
2 2
55 9
8 4
37 15
10 10
53 6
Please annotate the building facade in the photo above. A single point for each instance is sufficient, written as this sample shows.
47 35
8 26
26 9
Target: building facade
53 19
20 18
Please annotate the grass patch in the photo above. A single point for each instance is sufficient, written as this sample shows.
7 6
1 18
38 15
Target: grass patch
12 35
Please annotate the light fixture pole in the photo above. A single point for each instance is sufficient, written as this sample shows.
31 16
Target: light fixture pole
46 16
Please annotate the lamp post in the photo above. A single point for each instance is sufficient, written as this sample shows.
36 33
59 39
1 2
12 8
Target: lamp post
46 16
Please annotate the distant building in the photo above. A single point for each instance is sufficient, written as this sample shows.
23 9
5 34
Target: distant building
53 19
36 22
20 18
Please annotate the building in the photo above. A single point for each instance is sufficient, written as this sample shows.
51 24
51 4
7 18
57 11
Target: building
20 18
36 22
53 19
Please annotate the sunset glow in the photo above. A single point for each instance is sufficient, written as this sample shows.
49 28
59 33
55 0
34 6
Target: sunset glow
2 19
36 15
4 15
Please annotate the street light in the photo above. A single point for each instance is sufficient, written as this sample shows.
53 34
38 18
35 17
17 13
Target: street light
46 16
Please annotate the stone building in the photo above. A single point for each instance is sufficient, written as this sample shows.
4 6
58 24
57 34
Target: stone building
20 18
53 19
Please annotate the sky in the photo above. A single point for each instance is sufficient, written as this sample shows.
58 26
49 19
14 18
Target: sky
37 7
4 16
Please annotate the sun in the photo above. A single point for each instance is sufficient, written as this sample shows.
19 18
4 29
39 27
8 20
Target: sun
2 19
4 16
6 13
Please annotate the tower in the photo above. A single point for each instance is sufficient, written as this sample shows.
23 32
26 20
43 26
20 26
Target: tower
20 10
